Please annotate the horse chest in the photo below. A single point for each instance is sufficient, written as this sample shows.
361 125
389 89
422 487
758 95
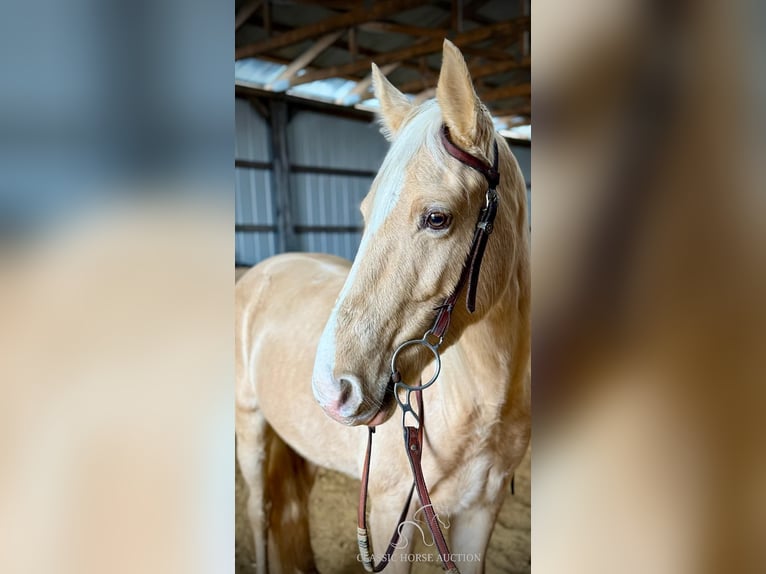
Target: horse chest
465 472
474 482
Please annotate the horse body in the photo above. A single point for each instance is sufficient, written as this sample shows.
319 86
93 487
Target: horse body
293 312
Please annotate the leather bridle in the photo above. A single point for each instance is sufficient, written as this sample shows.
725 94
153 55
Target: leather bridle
432 339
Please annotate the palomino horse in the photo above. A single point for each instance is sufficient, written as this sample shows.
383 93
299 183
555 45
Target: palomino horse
306 322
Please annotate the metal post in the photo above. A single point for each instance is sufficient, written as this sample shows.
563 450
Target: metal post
286 240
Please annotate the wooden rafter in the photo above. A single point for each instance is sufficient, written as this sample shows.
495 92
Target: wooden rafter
331 4
428 47
476 72
423 67
267 17
282 82
503 92
245 12
471 11
331 24
516 119
363 86
487 53
340 44
424 95
393 28
353 45
525 6
486 96
502 43
457 15
522 110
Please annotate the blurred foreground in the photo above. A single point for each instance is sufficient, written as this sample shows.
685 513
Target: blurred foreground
116 219
116 130
648 282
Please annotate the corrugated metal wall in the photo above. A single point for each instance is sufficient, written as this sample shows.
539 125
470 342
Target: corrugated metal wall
523 155
254 202
332 162
326 205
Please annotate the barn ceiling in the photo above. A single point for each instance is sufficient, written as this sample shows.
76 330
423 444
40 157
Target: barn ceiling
323 49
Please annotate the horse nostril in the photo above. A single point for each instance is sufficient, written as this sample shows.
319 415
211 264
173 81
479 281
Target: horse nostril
349 391
346 388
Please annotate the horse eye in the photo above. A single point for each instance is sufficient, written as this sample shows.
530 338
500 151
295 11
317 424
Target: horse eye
437 220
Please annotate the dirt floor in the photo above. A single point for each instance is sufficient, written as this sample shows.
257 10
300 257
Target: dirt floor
334 541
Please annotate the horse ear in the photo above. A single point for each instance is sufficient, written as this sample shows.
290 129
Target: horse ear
394 105
462 111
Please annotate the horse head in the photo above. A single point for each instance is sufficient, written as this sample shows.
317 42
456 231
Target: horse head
420 215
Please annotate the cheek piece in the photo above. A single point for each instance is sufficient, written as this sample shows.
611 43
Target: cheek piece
432 339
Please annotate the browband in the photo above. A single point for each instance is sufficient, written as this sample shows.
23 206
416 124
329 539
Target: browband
488 171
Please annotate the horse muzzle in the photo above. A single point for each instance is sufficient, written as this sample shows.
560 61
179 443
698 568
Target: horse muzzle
346 400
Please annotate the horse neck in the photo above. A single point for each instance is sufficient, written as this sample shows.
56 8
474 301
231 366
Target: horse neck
493 353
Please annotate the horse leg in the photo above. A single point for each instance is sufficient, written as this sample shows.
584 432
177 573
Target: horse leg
278 480
470 532
252 443
384 517
290 479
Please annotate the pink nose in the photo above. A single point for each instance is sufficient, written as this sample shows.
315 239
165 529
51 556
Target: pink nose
345 398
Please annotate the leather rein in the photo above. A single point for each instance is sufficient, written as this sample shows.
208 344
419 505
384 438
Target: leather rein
432 339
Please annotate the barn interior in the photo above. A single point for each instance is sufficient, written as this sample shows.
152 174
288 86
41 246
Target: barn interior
308 147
